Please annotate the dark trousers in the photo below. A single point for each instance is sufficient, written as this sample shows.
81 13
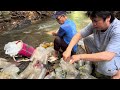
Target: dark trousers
60 45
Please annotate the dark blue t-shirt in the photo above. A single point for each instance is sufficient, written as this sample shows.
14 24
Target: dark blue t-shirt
67 31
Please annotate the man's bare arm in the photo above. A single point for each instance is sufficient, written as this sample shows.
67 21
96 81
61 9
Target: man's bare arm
101 56
74 41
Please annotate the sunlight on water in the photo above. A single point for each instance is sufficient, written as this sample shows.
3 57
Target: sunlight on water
80 19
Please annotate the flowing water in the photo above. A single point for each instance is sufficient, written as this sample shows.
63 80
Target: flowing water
41 32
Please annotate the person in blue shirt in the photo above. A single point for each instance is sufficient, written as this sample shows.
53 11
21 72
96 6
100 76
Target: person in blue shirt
65 33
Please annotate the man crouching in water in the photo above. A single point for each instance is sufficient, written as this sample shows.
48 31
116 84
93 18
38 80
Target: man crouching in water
102 43
65 33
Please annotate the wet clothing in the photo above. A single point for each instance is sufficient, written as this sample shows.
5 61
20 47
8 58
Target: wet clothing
66 33
104 41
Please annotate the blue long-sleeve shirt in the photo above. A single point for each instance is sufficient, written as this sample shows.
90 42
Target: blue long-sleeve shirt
67 31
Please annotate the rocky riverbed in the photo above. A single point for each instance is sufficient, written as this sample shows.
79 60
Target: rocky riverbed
10 20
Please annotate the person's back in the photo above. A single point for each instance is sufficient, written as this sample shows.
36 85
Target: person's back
69 28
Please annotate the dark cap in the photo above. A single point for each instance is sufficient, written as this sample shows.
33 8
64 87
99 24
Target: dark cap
57 13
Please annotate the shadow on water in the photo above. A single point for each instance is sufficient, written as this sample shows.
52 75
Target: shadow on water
41 32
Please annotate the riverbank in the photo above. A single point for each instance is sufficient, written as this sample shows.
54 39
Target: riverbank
10 20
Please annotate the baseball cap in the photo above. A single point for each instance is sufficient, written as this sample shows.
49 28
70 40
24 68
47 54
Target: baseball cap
57 13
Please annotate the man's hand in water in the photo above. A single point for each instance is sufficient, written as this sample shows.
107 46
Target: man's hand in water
66 55
54 33
74 58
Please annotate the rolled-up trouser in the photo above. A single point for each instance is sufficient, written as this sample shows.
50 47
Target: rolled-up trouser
60 45
108 68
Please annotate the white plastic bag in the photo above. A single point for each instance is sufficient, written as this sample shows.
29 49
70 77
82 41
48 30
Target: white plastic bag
11 72
12 48
4 63
72 72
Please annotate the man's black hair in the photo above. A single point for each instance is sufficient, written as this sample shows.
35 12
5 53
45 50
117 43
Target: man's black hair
102 14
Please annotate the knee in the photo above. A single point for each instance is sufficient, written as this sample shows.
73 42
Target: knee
108 69
86 40
57 39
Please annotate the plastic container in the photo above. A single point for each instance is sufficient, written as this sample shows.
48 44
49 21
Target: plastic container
26 50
